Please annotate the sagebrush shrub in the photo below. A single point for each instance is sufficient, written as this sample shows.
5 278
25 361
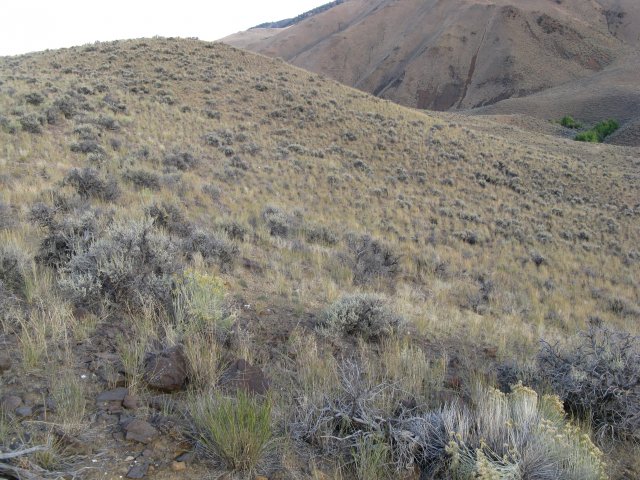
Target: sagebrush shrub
170 217
71 234
365 315
67 106
598 378
233 229
181 160
212 191
320 234
31 123
34 98
131 265
371 259
89 183
279 223
7 216
14 265
214 248
143 179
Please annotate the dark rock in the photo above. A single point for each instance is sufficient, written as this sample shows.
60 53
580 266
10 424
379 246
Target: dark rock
241 375
24 411
81 445
167 370
139 470
116 395
130 402
5 362
140 431
11 402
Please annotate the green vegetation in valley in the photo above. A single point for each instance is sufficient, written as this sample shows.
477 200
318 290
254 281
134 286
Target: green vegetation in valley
569 122
598 133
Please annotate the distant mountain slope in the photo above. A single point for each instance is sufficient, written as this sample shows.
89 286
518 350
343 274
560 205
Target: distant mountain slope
303 16
466 54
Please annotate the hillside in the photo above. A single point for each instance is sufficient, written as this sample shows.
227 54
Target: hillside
181 221
540 58
288 22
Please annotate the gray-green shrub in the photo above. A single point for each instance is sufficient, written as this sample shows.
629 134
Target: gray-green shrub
129 266
364 315
214 248
371 259
89 183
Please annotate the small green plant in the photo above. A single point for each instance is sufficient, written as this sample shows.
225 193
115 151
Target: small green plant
5 427
204 357
49 458
33 343
68 393
236 431
199 304
132 353
372 458
568 122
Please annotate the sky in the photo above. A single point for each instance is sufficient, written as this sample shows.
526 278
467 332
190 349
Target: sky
33 25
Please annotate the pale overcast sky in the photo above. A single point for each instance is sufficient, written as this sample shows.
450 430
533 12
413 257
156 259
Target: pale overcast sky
32 25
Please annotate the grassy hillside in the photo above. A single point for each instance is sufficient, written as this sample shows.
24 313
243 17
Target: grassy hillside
174 193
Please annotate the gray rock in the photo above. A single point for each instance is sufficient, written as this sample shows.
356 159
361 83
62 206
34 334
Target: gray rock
139 470
11 402
184 457
24 411
115 395
140 431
